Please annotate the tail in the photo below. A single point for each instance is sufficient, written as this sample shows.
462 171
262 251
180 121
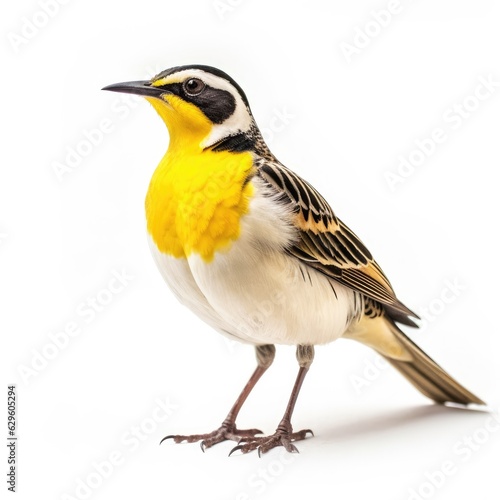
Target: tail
382 334
428 377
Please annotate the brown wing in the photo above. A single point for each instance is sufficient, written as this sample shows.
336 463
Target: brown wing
328 245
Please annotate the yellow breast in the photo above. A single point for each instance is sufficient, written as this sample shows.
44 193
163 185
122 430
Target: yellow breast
195 201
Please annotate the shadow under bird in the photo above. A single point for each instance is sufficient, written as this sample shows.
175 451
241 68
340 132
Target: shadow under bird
231 229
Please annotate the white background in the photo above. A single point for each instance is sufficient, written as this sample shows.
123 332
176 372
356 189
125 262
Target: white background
348 123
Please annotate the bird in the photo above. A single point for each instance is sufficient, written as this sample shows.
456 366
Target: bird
257 253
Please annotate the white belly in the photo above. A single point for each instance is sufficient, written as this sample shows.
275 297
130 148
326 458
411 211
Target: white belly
256 292
180 280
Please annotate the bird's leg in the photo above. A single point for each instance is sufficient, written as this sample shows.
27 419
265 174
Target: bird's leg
227 430
284 435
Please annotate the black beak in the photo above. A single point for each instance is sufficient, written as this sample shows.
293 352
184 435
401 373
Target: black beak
141 87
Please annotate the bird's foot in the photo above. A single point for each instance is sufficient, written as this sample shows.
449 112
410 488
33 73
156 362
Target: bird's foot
227 431
284 436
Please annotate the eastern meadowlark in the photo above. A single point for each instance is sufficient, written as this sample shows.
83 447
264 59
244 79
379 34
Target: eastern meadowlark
234 232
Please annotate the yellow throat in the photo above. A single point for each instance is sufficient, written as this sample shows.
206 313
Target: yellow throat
195 198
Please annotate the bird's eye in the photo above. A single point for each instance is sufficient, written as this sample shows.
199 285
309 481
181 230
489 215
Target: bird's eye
193 86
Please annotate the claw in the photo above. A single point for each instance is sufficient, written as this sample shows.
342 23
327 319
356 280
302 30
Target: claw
236 448
170 436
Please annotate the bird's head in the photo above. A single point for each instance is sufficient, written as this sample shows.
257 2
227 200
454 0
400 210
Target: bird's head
202 106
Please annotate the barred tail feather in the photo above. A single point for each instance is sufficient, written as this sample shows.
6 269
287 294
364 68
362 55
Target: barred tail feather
428 377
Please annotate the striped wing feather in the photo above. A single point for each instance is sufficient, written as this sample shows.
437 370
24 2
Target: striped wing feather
328 245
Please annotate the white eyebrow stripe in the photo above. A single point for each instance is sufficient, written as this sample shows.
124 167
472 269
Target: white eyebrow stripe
216 82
